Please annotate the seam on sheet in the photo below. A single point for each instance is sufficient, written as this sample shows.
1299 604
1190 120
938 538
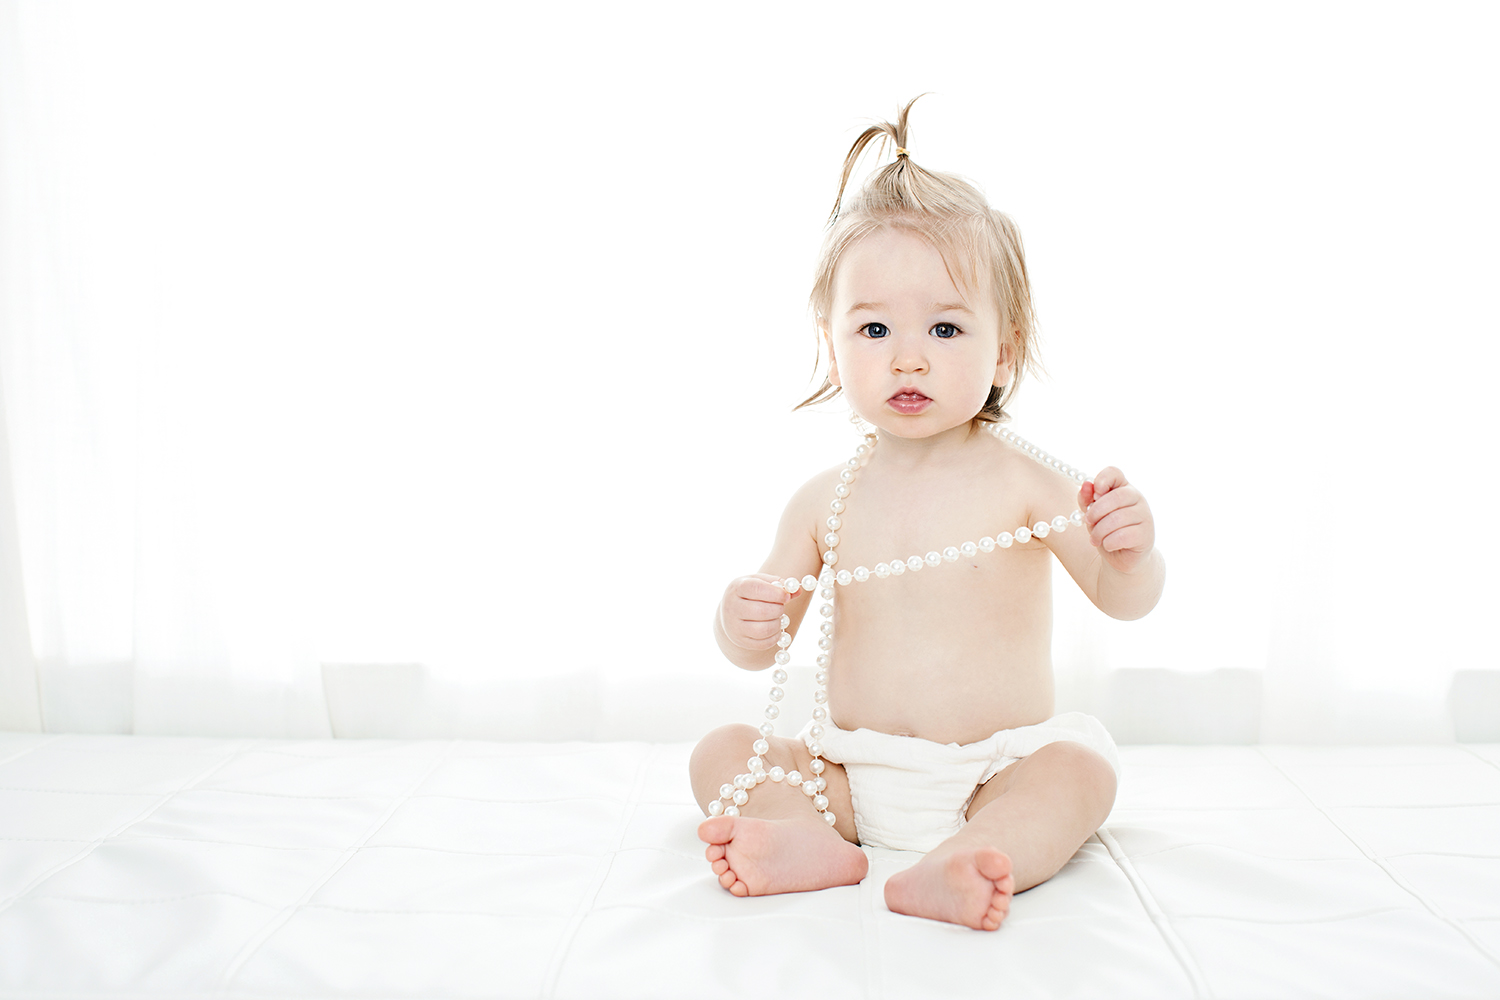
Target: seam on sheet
1175 945
51 738
277 922
1380 862
606 864
869 933
93 845
1479 756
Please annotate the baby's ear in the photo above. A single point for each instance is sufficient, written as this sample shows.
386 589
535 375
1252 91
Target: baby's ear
1005 369
833 363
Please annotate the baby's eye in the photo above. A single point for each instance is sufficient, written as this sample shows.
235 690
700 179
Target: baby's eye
945 330
875 330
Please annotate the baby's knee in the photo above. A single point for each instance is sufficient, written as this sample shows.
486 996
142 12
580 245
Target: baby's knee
1092 773
735 737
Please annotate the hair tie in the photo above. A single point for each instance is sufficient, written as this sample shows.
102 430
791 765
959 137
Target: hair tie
901 152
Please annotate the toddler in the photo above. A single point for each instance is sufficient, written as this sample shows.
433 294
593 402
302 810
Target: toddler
938 733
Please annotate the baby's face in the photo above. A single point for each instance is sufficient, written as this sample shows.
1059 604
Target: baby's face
915 356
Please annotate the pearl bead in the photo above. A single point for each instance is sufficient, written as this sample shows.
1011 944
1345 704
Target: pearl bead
792 585
821 697
726 790
830 557
820 713
777 773
816 732
715 808
825 643
1023 534
831 539
820 677
822 783
1076 518
841 491
834 524
827 592
1004 539
820 802
1041 529
934 558
828 817
897 567
826 628
808 788
861 574
777 676
816 767
1059 523
814 747
742 781
844 577
853 463
755 764
809 582
760 777
783 657
741 796
823 660
735 811
760 747
837 506
914 563
826 610
766 729
847 475
772 711
783 640
986 544
777 694
882 570
794 777
786 620
950 554
969 550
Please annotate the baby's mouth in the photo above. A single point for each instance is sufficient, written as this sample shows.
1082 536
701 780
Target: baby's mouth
909 401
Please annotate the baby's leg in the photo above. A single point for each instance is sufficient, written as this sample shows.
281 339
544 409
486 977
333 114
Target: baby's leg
1024 825
779 842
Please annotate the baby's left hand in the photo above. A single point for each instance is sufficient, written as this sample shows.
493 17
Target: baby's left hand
1118 520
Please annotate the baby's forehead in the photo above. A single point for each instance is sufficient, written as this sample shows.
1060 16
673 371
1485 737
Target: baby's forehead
892 261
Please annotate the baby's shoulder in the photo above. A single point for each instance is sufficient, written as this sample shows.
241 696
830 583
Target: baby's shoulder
1031 476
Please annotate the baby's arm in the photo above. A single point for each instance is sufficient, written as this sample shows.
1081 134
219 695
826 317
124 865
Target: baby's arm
1117 564
748 620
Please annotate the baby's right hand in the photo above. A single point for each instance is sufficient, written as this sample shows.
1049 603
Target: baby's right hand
751 611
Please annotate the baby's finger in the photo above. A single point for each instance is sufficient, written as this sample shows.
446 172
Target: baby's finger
1116 499
1085 496
1109 478
762 587
1113 521
1129 538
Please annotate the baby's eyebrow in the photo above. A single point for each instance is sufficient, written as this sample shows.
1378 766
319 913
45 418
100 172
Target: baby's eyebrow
936 307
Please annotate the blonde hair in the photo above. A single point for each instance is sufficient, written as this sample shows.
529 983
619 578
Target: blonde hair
978 244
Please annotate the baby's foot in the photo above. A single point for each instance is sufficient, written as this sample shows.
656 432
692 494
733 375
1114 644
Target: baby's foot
756 857
970 886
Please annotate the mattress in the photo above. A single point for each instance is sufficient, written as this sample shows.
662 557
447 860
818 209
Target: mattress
137 866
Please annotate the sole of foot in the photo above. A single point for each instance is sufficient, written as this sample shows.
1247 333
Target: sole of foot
972 887
758 857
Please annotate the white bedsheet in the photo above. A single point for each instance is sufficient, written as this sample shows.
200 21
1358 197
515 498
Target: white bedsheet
260 868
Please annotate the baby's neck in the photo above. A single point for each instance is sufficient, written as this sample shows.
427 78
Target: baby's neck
951 448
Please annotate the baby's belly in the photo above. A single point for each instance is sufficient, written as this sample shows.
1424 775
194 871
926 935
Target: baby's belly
945 695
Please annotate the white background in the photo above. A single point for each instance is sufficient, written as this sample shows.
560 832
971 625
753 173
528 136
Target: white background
467 335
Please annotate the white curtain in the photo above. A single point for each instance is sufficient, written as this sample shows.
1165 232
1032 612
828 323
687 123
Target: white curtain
447 335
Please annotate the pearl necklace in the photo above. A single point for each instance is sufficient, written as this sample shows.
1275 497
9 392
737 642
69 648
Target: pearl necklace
734 794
